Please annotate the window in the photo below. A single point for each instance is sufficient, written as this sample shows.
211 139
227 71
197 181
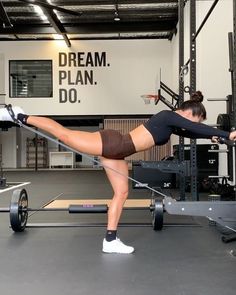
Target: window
30 78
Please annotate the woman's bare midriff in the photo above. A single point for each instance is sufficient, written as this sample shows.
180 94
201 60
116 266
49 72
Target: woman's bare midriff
142 138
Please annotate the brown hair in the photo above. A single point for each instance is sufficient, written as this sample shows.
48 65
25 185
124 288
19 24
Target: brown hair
195 104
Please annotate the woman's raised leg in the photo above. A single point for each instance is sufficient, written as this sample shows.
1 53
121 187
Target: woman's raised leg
84 142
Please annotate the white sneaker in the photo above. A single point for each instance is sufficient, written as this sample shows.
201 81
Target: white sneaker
5 116
116 246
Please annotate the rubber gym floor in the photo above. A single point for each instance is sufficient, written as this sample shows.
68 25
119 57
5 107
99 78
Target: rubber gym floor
175 261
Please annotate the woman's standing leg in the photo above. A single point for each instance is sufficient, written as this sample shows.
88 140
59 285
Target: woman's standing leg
120 187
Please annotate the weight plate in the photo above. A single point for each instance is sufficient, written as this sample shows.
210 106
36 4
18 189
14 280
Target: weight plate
224 121
157 215
18 210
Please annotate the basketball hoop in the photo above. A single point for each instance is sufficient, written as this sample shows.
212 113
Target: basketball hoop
148 97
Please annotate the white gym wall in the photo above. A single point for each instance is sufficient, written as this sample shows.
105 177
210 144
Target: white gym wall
129 68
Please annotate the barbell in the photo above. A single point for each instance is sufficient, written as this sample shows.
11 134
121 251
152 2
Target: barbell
18 210
222 212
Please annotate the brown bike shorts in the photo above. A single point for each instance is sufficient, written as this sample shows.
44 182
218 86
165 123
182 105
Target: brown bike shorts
115 145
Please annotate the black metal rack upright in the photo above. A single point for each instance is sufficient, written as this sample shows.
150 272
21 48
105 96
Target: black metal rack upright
181 90
234 62
233 77
232 54
193 151
183 69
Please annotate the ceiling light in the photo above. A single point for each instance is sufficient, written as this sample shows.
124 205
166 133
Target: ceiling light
40 12
116 17
57 36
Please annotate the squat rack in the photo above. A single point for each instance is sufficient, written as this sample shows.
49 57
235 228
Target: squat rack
183 69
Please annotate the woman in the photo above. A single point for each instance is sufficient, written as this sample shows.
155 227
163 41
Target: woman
113 147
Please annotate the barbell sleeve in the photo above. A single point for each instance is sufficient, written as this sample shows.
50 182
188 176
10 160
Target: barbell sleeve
4 210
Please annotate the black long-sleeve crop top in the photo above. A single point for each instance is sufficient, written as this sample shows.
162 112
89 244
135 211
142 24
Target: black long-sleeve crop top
165 123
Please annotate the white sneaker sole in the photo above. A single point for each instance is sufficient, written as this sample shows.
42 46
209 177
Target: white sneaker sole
112 252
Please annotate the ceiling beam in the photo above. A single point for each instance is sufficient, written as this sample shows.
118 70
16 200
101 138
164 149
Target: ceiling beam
51 16
91 17
4 17
168 36
50 6
101 28
56 24
108 2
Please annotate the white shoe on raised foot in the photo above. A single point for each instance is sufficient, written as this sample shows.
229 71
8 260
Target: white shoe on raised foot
116 246
5 115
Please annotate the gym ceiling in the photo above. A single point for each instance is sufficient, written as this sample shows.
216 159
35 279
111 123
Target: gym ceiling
87 19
